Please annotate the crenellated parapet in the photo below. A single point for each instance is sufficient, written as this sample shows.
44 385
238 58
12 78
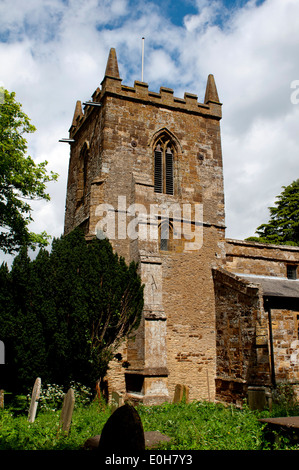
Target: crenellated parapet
112 86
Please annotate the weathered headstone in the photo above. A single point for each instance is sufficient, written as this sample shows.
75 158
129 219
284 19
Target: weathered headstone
257 398
117 400
123 432
181 393
34 400
2 353
67 411
186 394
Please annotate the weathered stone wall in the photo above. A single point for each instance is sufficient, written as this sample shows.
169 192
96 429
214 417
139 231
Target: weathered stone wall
249 258
241 337
188 300
286 345
260 259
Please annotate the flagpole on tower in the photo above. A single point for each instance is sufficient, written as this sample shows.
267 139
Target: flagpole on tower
142 65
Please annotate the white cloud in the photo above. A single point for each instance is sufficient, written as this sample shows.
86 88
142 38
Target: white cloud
54 52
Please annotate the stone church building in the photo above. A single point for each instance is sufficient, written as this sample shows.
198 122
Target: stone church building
220 315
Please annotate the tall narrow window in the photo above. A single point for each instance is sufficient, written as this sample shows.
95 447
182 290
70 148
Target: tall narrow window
84 170
164 240
169 171
82 174
166 236
163 177
158 170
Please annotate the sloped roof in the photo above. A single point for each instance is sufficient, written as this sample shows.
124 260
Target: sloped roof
275 287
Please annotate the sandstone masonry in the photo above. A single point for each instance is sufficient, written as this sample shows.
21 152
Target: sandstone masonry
205 321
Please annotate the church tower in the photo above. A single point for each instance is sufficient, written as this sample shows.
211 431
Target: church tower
146 171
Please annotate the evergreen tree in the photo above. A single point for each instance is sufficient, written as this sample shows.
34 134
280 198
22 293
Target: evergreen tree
115 301
42 306
28 338
69 341
8 329
99 300
283 226
64 314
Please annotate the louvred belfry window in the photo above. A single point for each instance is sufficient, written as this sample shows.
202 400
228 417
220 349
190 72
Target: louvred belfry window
163 177
158 170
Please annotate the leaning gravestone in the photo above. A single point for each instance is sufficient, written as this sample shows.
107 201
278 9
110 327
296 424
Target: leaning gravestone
123 433
2 353
34 400
181 393
67 411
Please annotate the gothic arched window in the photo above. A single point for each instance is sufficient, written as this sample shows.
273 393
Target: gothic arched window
163 160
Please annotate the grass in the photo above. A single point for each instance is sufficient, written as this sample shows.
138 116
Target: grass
204 426
16 433
192 426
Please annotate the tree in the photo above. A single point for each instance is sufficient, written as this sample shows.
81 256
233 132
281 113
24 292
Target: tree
29 353
21 179
8 333
99 300
283 226
68 312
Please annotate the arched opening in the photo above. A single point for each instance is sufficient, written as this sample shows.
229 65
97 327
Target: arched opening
164 151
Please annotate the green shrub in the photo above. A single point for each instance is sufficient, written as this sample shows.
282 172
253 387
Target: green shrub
284 400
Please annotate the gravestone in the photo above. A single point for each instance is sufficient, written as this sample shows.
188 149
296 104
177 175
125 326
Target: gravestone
181 393
34 400
2 353
123 432
257 399
67 411
117 400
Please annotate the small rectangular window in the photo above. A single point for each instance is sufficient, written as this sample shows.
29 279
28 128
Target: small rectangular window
291 271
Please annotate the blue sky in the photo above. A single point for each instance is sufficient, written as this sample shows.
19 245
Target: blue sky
54 52
177 10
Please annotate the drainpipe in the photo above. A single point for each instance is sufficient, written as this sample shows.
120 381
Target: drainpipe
268 310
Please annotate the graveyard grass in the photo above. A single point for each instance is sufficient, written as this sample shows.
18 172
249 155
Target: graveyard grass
192 426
